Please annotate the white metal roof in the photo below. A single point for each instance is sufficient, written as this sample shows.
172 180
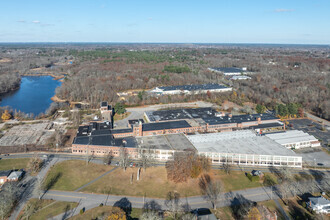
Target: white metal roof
238 142
293 136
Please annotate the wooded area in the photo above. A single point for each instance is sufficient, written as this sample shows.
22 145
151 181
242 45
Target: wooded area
282 74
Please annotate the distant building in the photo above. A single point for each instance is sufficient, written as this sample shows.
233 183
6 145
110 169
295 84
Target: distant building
4 176
15 176
240 77
295 139
319 204
189 89
230 71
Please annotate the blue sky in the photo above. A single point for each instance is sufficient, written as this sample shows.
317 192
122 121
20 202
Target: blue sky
184 21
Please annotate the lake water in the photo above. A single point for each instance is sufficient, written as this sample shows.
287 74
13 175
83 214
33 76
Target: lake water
33 96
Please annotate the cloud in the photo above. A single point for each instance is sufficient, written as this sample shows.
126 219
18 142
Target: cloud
21 21
150 18
36 22
280 10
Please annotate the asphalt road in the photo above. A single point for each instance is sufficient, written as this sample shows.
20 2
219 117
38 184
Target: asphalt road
88 200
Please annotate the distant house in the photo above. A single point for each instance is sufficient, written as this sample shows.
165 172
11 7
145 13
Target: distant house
319 204
15 176
4 176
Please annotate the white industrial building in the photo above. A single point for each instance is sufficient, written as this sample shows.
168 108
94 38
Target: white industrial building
294 139
240 77
190 89
244 148
230 71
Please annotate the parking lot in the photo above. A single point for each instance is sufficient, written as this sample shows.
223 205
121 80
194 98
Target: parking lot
311 128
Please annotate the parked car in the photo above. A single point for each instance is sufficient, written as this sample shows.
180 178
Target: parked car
117 164
131 164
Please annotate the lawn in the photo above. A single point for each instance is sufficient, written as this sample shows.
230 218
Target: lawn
99 212
11 164
236 180
120 117
45 209
71 174
154 183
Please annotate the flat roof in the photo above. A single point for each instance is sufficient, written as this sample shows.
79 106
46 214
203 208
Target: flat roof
105 140
239 118
5 173
209 86
175 114
85 130
177 142
238 142
292 136
120 131
267 125
165 125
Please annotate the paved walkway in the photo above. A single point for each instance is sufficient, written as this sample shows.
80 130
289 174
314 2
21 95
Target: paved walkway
96 179
89 200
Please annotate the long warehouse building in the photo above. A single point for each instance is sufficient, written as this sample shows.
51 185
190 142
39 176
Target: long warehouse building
244 148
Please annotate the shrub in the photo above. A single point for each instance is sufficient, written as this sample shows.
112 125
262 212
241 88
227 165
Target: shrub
82 211
303 204
252 178
269 181
101 205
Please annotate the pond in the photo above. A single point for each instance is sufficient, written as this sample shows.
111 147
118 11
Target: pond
33 96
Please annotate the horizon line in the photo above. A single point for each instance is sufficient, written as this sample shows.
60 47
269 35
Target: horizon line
107 42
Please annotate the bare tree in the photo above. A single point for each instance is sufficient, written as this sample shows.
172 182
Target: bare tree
151 215
123 158
39 187
108 158
34 164
8 195
146 158
173 204
226 167
211 189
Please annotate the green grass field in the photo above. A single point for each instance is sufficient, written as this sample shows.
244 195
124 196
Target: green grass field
10 164
71 174
45 209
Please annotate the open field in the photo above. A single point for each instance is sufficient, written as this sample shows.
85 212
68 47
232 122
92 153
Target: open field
71 174
154 183
11 164
99 212
45 209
